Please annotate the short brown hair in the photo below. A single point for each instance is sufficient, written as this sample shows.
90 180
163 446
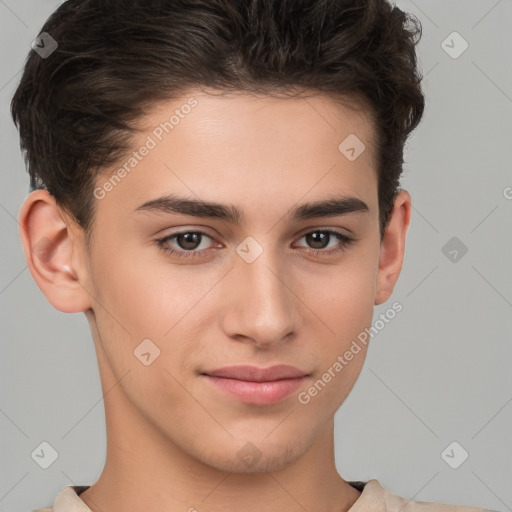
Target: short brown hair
76 109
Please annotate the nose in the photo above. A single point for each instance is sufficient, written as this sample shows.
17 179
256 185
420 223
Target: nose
262 305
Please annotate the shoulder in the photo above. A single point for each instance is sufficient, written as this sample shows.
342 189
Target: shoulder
374 497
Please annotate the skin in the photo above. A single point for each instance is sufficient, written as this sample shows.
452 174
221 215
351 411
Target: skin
172 438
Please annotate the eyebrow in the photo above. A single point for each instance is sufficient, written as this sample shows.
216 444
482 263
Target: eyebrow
333 207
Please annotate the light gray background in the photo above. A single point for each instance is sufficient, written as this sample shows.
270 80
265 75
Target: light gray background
439 372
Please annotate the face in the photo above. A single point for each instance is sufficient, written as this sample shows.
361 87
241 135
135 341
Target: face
260 277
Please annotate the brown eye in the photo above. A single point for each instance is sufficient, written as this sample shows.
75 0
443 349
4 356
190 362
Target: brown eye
186 244
188 241
318 241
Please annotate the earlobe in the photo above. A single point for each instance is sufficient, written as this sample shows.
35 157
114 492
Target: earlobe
393 247
51 253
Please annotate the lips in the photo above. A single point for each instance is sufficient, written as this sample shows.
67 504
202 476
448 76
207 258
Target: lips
254 374
257 386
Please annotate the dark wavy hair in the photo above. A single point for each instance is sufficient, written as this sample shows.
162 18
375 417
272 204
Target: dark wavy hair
77 109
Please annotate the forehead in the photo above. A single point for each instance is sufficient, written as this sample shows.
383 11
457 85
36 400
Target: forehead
254 150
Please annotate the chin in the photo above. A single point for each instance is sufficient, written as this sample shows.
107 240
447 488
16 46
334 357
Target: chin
253 458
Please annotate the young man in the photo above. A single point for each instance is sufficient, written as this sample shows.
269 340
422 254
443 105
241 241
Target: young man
216 186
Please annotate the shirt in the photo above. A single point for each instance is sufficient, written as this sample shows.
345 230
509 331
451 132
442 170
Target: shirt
373 498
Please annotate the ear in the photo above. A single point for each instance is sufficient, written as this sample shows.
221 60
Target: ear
393 247
55 252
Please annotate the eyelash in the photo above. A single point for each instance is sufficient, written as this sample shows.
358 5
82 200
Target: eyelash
162 244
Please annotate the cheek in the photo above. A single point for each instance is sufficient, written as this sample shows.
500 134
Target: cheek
139 300
343 300
344 297
170 307
146 296
346 309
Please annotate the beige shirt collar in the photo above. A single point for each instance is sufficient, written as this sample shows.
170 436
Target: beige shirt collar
373 498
